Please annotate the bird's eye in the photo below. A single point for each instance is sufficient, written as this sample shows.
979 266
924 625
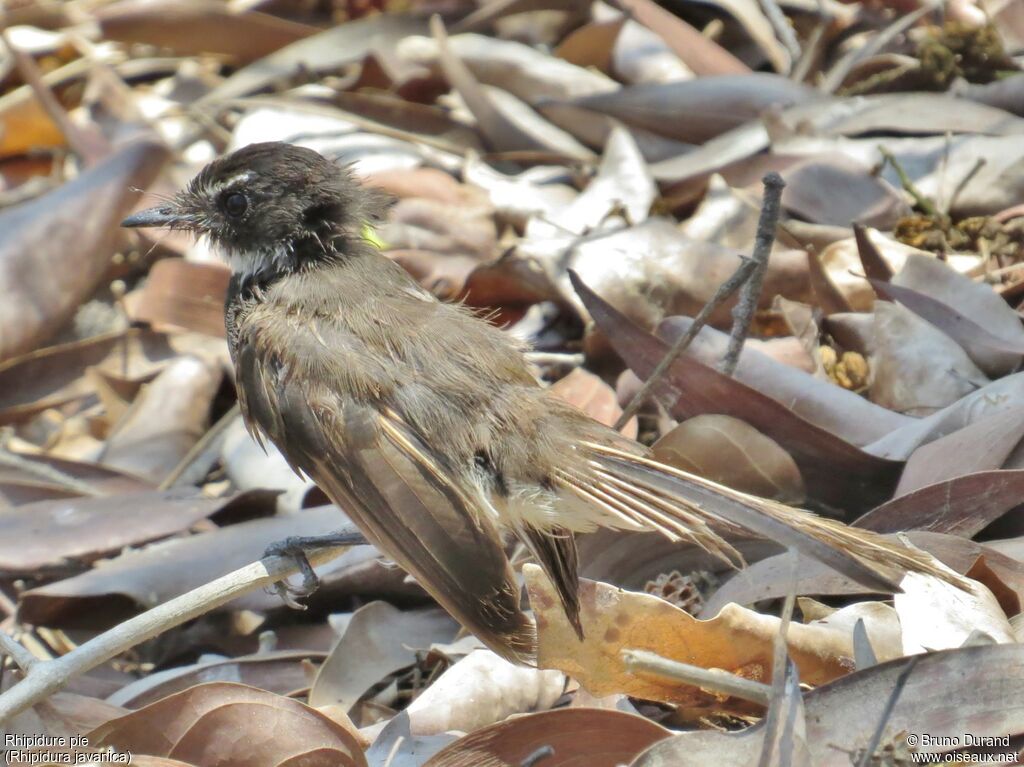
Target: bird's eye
235 204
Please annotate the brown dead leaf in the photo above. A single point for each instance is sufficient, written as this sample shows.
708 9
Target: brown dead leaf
265 729
917 369
165 421
964 505
984 445
191 27
183 294
378 641
737 640
733 453
141 579
578 737
696 389
50 534
66 235
586 391
700 54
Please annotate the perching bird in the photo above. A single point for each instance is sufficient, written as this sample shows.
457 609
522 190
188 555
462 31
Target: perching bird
424 423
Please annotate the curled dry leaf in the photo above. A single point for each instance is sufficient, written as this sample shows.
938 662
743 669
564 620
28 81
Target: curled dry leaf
733 453
67 236
987 444
594 397
265 729
837 410
737 640
479 690
935 615
842 262
695 389
577 737
378 641
978 318
165 421
964 505
917 369
1000 396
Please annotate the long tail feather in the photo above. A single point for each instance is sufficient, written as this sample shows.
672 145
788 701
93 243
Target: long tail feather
653 491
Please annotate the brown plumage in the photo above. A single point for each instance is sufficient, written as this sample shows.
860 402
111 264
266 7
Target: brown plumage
425 424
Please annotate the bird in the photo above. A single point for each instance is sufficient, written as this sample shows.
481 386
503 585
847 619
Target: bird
426 424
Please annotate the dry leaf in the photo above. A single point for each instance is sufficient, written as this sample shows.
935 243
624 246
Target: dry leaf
733 453
737 640
481 689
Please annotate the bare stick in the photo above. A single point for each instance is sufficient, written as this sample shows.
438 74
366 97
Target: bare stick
780 657
44 678
783 31
652 664
920 200
750 293
739 277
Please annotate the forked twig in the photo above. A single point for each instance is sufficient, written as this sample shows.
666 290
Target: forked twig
746 273
750 292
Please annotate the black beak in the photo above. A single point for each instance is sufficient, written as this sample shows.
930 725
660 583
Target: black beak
162 215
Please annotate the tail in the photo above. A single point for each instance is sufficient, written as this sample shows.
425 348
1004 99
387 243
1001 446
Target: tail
635 489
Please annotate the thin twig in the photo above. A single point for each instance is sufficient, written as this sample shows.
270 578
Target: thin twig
779 666
651 664
783 31
47 472
962 184
908 186
47 677
18 653
206 444
750 293
897 690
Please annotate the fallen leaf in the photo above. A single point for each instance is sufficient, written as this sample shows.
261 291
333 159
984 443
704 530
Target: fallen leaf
586 391
963 506
733 453
916 368
737 640
577 737
378 641
266 729
479 690
67 235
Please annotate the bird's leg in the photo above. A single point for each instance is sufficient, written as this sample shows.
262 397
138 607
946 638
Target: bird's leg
295 547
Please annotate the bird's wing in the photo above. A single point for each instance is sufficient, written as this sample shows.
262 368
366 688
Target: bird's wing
395 489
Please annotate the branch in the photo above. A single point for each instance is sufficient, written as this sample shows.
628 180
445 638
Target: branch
43 678
750 293
745 273
717 680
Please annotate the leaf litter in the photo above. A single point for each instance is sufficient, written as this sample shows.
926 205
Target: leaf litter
587 175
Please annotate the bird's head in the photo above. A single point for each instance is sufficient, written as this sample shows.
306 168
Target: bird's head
269 207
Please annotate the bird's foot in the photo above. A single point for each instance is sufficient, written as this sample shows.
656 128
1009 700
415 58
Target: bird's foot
295 547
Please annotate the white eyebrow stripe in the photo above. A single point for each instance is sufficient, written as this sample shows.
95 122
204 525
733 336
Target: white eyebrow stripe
238 178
